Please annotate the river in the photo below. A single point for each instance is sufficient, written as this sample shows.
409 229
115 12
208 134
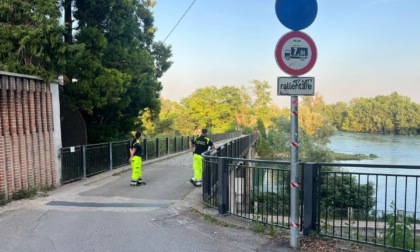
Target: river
390 150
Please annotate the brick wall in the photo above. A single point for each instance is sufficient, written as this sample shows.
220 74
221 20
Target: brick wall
26 134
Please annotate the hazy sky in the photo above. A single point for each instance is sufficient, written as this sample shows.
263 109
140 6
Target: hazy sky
365 47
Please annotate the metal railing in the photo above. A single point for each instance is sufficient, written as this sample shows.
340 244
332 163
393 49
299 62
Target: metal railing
214 170
372 204
81 162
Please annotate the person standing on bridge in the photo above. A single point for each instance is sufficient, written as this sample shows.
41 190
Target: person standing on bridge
199 145
135 160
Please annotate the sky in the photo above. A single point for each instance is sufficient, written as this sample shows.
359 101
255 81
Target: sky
365 48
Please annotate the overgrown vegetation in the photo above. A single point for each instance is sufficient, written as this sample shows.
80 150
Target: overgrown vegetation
258 227
25 193
3 200
344 156
400 234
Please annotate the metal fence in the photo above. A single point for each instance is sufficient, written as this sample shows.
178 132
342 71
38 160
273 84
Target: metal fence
214 171
372 204
80 162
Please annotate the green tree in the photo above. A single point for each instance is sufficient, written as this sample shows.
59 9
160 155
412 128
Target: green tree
243 112
279 137
165 121
385 114
31 38
214 108
184 123
147 123
117 72
344 191
261 100
336 113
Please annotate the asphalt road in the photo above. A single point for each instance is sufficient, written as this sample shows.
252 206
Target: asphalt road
103 213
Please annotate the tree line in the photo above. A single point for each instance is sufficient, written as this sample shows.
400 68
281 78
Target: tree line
111 64
392 114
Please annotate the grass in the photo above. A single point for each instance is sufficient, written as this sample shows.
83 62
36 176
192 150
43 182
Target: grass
27 193
3 200
344 156
258 227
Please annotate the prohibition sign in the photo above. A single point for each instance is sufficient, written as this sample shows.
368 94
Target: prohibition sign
295 53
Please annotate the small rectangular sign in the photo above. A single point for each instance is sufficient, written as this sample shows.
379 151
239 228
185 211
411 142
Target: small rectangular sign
295 85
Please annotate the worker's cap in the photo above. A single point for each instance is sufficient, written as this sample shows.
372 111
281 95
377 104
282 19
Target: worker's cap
204 131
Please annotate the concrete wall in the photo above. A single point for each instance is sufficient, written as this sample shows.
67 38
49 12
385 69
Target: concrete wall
30 133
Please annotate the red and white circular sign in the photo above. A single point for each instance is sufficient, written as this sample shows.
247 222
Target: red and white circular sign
295 53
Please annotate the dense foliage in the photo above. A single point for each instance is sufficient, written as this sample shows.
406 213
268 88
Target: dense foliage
393 114
105 51
31 38
221 109
115 76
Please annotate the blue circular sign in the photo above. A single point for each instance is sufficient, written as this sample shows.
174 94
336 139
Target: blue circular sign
296 14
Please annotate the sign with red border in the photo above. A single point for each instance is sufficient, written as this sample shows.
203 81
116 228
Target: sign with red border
295 53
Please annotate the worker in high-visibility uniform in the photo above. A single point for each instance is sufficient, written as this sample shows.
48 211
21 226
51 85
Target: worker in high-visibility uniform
136 161
199 145
195 135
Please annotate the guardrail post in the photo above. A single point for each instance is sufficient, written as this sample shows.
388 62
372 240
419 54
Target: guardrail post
167 146
157 147
223 186
182 143
145 149
110 155
309 198
84 161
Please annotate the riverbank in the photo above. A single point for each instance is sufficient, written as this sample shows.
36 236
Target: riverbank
345 157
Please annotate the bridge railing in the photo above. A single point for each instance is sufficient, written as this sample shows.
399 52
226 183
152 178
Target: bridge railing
372 204
80 162
215 170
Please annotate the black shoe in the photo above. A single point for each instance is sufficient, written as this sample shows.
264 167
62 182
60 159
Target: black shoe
192 181
195 183
140 182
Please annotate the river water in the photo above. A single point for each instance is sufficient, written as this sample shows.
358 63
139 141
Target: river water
390 150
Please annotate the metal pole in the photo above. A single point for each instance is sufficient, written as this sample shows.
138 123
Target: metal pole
309 197
294 159
110 155
84 161
222 189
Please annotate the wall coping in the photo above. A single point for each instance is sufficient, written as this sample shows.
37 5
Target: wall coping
25 76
